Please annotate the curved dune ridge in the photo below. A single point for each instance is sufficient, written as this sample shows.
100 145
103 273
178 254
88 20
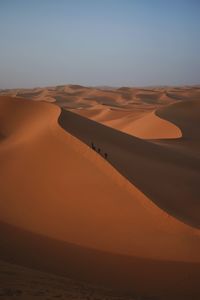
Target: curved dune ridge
166 170
145 126
55 186
186 115
130 110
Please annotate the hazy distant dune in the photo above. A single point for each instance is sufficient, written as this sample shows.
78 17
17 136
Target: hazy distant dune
124 96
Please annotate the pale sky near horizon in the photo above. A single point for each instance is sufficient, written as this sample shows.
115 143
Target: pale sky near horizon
104 42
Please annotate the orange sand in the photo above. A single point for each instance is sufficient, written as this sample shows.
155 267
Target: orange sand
56 191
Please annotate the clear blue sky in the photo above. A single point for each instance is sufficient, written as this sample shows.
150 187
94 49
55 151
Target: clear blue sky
99 42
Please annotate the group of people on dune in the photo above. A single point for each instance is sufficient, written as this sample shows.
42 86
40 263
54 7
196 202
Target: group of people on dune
104 154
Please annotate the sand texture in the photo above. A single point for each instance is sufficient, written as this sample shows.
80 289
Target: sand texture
101 186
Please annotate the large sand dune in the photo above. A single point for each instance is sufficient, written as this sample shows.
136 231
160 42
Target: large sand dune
68 210
166 174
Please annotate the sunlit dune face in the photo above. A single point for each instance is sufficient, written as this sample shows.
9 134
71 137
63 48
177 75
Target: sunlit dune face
105 177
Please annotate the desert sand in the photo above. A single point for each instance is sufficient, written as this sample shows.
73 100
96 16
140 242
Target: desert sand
126 216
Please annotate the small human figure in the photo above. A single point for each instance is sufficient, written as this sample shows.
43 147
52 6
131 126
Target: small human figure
105 155
93 146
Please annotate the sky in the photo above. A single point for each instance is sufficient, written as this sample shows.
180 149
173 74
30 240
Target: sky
99 42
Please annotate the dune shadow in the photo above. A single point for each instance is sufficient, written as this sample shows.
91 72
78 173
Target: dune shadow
132 275
153 168
185 115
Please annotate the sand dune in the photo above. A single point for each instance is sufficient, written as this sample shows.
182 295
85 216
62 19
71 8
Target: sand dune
148 126
124 97
186 115
145 125
64 199
138 159
117 108
123 274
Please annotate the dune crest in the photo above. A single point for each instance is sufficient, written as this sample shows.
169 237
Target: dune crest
149 126
138 159
54 185
186 115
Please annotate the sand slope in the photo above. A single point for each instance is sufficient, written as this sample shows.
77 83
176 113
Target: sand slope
83 99
167 174
118 108
186 115
148 126
81 209
20 283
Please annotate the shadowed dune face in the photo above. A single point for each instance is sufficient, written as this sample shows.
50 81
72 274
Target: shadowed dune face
18 282
80 209
186 115
168 176
145 126
133 275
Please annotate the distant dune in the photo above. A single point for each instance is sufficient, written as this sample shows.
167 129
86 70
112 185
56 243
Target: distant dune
116 107
103 186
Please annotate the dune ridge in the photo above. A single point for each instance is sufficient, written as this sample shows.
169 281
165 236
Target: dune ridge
130 156
149 126
127 109
57 176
